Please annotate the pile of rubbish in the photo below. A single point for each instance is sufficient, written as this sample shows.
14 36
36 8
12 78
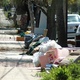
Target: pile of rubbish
49 52
45 52
43 47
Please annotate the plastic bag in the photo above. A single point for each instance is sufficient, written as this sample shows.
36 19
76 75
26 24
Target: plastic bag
48 45
28 40
54 55
36 58
57 54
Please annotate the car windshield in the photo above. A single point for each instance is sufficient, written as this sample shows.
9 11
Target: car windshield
73 19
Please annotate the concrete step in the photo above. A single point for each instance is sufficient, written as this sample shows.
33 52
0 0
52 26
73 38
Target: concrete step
7 37
11 44
16 60
8 31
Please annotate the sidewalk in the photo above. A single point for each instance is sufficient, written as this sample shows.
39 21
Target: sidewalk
18 73
12 65
3 20
9 41
11 45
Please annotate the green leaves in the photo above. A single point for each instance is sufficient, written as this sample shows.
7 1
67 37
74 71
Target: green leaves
66 72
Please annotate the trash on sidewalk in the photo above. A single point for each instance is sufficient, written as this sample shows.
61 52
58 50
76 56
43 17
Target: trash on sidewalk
43 48
50 54
53 56
19 38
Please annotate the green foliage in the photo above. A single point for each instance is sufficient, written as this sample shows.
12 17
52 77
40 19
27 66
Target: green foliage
71 1
69 72
6 2
6 13
74 6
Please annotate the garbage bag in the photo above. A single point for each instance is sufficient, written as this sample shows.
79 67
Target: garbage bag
36 58
28 40
31 48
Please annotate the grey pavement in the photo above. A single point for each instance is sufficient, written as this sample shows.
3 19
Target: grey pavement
3 20
11 45
8 31
17 67
18 73
12 65
9 41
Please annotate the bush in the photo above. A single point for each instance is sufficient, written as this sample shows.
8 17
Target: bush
67 72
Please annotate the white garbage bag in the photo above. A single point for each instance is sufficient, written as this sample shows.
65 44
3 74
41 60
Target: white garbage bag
43 48
50 44
36 58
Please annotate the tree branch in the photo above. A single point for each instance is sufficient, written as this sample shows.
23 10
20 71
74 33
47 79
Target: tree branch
44 11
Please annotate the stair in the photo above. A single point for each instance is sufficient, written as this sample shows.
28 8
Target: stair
16 60
10 48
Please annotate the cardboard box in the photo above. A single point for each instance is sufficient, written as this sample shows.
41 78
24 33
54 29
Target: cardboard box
19 38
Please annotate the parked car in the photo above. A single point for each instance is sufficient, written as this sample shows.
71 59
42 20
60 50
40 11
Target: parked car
72 23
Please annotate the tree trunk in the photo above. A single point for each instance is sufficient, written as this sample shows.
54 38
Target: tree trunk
65 3
51 21
30 6
62 40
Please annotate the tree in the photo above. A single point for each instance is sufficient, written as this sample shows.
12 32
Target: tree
30 6
51 20
51 11
62 39
73 6
61 21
